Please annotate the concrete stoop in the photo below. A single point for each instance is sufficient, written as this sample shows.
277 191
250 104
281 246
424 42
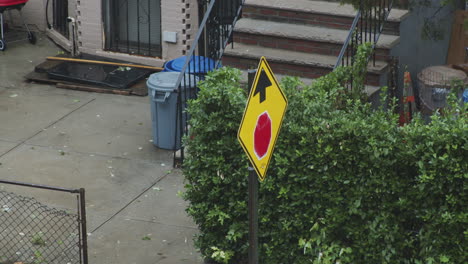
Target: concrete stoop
303 38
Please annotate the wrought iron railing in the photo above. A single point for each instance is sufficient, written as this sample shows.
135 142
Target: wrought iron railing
206 50
367 26
133 27
32 232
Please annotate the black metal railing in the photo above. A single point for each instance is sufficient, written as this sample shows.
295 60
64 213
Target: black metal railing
367 26
206 50
32 232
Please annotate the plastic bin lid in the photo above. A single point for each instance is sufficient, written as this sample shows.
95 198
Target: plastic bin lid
198 64
166 81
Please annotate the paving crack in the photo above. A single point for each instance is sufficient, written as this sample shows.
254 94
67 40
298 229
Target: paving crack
129 203
144 161
160 223
48 126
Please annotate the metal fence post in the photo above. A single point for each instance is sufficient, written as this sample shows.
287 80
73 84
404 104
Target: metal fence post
84 239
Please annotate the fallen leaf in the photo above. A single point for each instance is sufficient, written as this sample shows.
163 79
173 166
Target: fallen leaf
6 208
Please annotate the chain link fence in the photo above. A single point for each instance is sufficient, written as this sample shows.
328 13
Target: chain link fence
34 233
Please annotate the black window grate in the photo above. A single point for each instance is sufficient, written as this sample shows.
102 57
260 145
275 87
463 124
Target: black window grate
133 27
60 15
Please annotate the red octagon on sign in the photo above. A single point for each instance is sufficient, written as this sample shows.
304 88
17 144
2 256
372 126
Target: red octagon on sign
262 135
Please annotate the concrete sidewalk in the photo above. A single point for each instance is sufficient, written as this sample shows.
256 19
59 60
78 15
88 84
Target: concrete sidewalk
101 142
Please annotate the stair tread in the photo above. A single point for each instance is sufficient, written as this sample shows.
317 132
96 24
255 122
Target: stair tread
292 57
369 89
304 32
323 7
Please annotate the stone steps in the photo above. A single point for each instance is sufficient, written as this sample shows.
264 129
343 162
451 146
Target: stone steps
320 13
302 37
293 63
370 90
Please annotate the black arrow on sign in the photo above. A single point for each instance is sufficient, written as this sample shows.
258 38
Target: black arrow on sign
263 83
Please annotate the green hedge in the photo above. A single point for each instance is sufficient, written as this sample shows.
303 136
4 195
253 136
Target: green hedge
345 185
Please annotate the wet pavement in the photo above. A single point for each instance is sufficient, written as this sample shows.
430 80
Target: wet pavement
101 142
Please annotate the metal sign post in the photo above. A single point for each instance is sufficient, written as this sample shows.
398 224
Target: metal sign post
257 135
253 216
253 199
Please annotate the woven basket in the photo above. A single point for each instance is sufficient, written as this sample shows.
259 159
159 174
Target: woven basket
435 83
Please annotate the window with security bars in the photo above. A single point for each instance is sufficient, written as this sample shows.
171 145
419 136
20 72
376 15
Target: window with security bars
60 15
133 26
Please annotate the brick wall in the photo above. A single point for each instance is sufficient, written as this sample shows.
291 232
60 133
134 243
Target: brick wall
189 24
171 19
177 16
89 25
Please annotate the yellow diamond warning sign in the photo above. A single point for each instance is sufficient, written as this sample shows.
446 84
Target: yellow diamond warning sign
262 118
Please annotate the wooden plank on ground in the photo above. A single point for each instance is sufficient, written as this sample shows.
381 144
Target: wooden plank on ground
86 88
39 77
106 63
46 65
138 89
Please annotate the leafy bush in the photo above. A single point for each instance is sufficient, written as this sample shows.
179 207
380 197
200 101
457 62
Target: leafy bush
345 185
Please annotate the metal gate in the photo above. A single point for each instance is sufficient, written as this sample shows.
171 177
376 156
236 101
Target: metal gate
33 232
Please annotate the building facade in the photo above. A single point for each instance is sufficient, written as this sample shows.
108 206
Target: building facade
140 31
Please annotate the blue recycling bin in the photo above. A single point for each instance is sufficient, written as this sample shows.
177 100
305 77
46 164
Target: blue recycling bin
198 66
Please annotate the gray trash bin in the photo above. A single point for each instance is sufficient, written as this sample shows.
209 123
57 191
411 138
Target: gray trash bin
163 101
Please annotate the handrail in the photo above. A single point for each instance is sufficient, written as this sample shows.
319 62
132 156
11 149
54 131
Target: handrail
206 50
198 36
367 26
348 39
230 31
192 48
386 15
